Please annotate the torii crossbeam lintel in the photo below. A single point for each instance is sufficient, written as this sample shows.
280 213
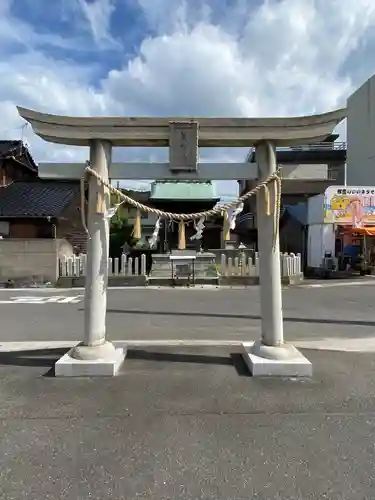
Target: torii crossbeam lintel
155 132
154 171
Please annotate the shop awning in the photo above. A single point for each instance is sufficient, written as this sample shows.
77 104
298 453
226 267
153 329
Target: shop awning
369 230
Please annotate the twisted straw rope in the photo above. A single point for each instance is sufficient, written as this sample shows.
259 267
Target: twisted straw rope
188 216
273 178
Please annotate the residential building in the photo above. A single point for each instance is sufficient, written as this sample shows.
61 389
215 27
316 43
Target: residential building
31 207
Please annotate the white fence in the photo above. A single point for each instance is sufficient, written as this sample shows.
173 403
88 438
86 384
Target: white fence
290 265
127 266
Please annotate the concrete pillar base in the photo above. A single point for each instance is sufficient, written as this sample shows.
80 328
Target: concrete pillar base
102 360
271 361
102 350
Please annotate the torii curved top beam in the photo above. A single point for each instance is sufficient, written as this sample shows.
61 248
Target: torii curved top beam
213 132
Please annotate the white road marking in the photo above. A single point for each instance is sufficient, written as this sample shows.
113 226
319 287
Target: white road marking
366 344
71 300
216 288
340 284
41 290
57 299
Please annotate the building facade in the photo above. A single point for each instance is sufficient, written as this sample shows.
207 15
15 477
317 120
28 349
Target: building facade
306 171
360 136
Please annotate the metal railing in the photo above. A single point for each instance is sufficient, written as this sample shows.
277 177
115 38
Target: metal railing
318 146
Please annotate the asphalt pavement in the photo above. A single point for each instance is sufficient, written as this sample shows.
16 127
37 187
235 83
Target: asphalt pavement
223 314
188 423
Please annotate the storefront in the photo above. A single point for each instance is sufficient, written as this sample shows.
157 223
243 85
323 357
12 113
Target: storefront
352 212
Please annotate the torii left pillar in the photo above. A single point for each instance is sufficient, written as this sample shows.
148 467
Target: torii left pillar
95 355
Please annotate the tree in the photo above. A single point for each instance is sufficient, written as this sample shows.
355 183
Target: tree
120 233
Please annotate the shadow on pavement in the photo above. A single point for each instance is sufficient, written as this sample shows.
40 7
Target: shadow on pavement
37 357
234 359
48 357
178 357
240 316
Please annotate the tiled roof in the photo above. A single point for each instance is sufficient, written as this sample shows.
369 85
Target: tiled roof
19 151
183 190
36 198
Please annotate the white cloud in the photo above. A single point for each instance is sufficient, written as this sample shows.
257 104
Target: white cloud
98 14
279 57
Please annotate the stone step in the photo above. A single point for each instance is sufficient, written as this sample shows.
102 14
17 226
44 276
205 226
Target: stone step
168 274
167 281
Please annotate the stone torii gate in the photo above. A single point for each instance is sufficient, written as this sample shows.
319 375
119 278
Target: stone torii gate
95 355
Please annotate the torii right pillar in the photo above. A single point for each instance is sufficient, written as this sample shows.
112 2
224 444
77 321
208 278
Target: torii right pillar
271 356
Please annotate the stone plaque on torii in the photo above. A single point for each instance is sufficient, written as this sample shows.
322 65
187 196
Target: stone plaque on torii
95 355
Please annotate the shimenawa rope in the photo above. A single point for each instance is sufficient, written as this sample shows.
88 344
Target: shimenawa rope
186 217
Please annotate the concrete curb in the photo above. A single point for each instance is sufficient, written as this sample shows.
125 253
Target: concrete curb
144 281
254 280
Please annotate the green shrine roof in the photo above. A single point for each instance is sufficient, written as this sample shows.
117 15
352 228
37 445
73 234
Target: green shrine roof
183 190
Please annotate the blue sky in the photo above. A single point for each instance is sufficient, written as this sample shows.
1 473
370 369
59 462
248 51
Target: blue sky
176 57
